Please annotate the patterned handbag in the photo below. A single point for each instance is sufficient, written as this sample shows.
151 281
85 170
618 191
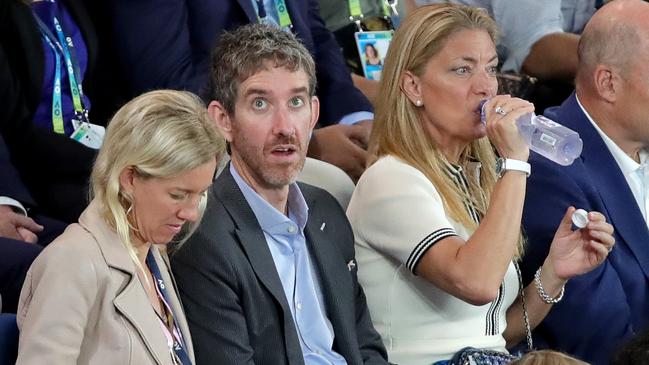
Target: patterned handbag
474 356
516 84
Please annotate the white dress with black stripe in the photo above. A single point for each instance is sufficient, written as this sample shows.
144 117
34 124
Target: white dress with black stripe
397 214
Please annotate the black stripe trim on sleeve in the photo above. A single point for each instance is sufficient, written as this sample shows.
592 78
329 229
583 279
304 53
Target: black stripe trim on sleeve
493 314
423 245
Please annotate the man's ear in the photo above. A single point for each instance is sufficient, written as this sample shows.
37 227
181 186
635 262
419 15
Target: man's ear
315 111
221 118
608 82
411 86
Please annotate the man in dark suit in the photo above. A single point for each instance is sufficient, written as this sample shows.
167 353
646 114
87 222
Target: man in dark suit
167 44
54 167
18 232
270 276
609 110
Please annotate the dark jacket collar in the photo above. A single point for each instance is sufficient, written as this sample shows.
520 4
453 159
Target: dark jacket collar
606 177
327 260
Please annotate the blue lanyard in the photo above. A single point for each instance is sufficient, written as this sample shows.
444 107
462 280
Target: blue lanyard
61 44
73 68
282 12
178 343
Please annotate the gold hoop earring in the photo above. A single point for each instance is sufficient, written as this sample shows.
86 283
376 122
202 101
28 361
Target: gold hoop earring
128 212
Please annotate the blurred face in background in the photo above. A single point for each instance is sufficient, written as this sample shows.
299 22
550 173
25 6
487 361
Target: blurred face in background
370 51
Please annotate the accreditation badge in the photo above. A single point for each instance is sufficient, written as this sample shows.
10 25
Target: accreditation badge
372 48
88 134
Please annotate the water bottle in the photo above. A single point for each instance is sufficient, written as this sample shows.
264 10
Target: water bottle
547 137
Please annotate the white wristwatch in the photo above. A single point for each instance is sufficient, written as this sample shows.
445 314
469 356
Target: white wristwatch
505 164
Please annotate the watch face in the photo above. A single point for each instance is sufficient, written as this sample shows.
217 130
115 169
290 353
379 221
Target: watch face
500 166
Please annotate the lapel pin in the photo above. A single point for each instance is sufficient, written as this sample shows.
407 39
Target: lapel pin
322 226
351 265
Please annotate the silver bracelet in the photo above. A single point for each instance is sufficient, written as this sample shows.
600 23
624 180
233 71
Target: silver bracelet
544 296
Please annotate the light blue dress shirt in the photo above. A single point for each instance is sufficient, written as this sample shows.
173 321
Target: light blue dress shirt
272 17
287 243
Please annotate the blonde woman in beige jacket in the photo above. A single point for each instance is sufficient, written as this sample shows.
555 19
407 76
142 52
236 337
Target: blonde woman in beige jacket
102 293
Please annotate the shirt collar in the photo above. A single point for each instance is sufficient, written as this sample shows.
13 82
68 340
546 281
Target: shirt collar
270 219
626 163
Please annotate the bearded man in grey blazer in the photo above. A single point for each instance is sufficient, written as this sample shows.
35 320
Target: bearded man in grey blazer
270 276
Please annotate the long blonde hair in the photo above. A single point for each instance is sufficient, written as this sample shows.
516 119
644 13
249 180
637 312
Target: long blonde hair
159 134
398 130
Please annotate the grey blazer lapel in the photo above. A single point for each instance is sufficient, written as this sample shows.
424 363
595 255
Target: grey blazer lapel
333 274
253 243
261 260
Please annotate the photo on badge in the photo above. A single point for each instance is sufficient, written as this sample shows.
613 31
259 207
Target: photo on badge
372 48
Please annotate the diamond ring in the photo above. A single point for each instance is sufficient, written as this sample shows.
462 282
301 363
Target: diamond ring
500 111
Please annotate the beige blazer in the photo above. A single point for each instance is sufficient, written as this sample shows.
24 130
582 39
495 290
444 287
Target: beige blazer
82 303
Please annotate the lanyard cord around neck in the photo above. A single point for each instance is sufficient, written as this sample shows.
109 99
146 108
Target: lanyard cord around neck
63 45
170 328
282 12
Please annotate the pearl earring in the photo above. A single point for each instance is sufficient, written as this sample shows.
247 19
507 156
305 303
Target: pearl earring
418 103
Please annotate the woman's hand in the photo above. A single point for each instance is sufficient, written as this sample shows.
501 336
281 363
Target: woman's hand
577 252
501 113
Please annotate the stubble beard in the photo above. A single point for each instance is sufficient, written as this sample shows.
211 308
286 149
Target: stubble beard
271 176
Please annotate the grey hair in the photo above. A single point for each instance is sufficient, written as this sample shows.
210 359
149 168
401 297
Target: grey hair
249 49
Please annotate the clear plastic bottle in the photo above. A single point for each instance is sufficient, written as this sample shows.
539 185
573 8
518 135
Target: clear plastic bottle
547 138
